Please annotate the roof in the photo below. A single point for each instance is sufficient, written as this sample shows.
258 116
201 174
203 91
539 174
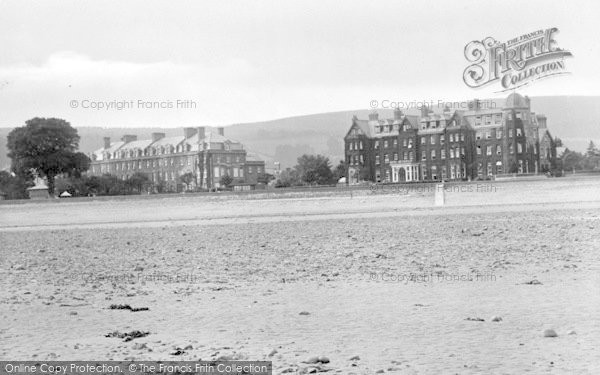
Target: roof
140 144
114 146
169 141
368 126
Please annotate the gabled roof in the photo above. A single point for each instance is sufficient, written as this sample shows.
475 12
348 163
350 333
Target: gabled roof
114 146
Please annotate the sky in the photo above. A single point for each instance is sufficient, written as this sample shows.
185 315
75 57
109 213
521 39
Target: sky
242 61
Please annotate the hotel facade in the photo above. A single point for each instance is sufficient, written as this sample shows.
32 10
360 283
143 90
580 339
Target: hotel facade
205 154
479 143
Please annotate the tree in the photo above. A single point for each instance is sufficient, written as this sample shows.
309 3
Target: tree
314 170
187 179
288 177
592 150
15 187
340 170
138 182
46 145
226 180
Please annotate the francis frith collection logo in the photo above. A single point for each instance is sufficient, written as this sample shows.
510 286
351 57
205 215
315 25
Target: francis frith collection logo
514 63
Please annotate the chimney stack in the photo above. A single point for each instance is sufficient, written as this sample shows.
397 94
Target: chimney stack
129 138
157 136
373 116
424 111
201 132
221 131
398 114
106 143
189 132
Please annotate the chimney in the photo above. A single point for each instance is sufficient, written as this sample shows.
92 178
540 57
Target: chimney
129 138
157 136
221 131
373 116
398 114
201 132
106 142
475 105
189 132
424 111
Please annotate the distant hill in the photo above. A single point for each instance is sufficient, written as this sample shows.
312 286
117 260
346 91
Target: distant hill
574 119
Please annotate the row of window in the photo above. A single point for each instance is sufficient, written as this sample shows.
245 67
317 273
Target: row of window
488 134
454 153
140 164
389 128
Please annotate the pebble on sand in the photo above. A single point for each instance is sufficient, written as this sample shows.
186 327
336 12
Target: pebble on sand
304 313
571 332
20 267
496 319
355 358
550 333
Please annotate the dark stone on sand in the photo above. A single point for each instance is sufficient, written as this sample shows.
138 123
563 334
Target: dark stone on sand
304 313
550 333
128 307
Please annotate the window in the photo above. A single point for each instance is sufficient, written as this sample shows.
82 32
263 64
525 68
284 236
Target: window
451 138
444 173
499 168
360 145
498 118
350 146
410 155
518 132
478 135
442 139
489 169
498 150
478 120
376 145
519 148
462 137
377 129
488 134
385 144
395 156
423 155
386 158
498 133
395 142
432 154
511 149
410 143
376 159
433 139
451 153
404 142
423 141
488 150
443 154
478 150
404 156
488 119
510 133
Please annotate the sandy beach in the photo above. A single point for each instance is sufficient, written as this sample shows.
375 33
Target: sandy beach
382 281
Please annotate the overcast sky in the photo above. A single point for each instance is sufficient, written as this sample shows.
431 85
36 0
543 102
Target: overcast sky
249 61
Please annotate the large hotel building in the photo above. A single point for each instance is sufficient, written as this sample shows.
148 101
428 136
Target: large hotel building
481 142
206 154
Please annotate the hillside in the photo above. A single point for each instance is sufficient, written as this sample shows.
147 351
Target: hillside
573 119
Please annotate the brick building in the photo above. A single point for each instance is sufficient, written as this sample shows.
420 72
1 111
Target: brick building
206 155
479 143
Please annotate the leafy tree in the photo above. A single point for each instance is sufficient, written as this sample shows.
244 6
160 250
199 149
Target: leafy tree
314 170
46 145
340 170
138 182
288 177
187 179
14 186
226 180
